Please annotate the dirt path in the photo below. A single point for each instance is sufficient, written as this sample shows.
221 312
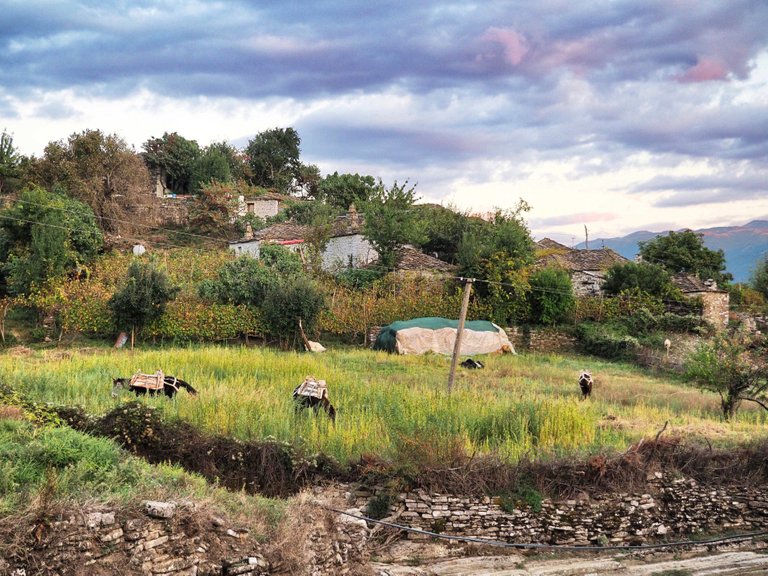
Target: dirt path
406 559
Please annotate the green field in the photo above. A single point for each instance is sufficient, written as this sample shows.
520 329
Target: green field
518 406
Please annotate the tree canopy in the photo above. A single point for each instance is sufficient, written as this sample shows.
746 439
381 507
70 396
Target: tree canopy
391 221
343 190
551 298
143 295
175 160
643 276
685 252
759 278
734 367
101 171
10 162
45 236
274 162
498 250
444 229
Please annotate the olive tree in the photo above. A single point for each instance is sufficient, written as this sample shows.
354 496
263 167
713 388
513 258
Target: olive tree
734 367
143 296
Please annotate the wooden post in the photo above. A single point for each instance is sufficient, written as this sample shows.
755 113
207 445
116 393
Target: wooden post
307 347
459 330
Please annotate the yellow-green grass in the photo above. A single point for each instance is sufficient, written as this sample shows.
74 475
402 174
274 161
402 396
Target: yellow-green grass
518 406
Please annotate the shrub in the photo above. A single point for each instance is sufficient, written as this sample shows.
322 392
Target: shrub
289 300
551 297
606 340
378 506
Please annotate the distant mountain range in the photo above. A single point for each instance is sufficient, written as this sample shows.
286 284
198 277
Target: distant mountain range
744 246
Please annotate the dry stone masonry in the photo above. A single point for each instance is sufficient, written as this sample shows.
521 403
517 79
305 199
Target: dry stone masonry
165 540
671 509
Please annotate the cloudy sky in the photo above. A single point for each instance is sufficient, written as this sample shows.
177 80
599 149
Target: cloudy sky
615 115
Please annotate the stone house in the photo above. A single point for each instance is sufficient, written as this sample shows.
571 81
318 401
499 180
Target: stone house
587 268
285 234
715 302
412 262
263 206
345 247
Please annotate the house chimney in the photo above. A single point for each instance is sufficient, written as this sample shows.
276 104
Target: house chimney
248 231
354 221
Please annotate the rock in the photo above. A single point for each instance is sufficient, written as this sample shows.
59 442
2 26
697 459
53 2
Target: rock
160 509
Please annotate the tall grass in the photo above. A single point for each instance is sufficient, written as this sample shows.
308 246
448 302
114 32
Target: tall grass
527 405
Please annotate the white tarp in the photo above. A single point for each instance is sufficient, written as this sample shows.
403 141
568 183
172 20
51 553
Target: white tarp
443 340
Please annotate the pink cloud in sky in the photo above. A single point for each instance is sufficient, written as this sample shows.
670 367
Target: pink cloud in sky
514 44
706 70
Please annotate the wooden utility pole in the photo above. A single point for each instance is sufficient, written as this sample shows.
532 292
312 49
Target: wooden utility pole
459 330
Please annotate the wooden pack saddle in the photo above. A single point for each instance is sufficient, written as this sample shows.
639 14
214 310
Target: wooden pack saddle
154 381
312 387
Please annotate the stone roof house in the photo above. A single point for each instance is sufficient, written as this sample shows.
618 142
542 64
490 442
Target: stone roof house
412 262
346 246
715 302
587 268
264 205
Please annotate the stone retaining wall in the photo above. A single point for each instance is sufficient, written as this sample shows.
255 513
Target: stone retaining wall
541 339
173 539
672 508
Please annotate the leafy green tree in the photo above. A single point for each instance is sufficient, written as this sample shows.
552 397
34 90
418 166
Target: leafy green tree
551 296
684 252
444 230
307 181
242 281
734 367
343 190
643 276
288 300
390 221
45 236
143 296
10 162
211 166
245 280
102 171
498 251
273 157
175 160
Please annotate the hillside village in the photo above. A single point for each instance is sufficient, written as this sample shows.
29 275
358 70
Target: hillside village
230 267
347 231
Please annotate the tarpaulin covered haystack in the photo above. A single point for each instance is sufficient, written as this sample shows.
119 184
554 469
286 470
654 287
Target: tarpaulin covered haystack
438 335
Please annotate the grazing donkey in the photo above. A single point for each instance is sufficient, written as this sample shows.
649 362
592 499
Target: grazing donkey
152 384
313 394
585 383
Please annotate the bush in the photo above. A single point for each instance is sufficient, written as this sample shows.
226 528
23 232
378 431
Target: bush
609 341
551 297
289 300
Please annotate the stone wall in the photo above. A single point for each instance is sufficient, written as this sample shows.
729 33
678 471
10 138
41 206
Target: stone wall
541 339
671 509
340 249
715 308
175 209
175 539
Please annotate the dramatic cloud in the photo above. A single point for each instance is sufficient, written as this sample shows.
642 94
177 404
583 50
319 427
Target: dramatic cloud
616 113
